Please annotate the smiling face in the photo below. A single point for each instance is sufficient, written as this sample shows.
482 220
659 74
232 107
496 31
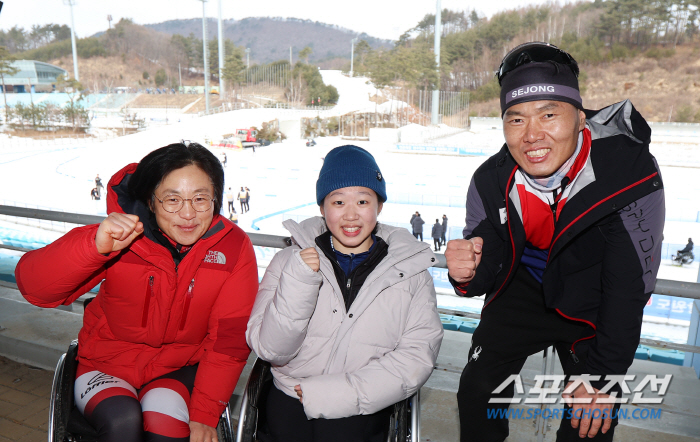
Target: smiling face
351 215
542 135
185 226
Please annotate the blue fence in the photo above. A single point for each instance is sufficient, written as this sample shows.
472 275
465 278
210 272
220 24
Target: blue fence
452 150
428 200
683 216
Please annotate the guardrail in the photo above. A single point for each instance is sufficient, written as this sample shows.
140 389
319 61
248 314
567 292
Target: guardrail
690 290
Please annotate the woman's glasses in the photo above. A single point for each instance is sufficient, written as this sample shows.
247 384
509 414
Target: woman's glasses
175 203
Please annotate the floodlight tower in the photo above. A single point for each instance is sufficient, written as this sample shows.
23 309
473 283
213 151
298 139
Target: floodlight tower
221 53
436 93
205 53
352 54
72 37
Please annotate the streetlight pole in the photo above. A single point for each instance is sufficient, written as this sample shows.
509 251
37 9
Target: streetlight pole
72 37
221 55
352 54
205 53
436 93
247 57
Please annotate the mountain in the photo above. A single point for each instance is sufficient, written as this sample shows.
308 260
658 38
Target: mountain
269 39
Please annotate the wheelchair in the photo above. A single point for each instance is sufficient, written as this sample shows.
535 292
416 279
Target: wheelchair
404 423
67 424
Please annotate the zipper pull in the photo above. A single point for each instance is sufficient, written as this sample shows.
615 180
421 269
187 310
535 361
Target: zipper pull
190 289
150 283
348 285
573 356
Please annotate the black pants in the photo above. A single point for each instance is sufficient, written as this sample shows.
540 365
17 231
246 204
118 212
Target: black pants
286 422
436 243
443 239
418 235
514 326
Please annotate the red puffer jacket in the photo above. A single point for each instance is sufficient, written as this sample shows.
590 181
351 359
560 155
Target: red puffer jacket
151 318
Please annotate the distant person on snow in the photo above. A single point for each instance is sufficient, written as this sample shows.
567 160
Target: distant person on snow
98 186
437 235
229 199
688 247
443 238
242 195
417 225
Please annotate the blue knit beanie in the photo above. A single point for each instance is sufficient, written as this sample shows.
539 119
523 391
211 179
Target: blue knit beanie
349 166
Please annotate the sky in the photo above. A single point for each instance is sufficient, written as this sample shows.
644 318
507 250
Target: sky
386 19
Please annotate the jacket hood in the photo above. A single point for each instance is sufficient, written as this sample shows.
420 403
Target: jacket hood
402 245
618 119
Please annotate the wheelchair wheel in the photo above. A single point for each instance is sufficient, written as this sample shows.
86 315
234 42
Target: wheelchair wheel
57 420
687 259
254 395
224 431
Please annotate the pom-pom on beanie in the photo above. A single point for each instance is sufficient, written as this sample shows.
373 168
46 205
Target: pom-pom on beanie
349 166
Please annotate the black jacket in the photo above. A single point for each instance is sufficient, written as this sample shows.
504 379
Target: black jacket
606 247
436 233
417 223
688 248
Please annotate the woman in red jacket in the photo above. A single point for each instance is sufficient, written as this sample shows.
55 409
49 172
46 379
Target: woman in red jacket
163 344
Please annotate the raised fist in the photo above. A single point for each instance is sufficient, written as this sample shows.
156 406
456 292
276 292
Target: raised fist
310 257
117 232
463 257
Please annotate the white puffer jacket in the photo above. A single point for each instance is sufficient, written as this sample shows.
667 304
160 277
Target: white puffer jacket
356 362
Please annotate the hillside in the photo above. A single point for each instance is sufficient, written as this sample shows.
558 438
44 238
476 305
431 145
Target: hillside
665 89
269 39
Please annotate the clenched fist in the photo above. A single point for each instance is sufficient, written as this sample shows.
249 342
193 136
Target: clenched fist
117 232
310 257
463 257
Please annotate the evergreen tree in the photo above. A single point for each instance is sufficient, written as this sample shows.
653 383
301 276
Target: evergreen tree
6 68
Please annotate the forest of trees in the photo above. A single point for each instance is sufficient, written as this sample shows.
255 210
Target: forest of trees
18 39
472 46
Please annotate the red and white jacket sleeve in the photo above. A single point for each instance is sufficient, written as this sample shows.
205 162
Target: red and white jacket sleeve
61 272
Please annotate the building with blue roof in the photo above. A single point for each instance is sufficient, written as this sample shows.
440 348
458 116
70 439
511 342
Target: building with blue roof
33 75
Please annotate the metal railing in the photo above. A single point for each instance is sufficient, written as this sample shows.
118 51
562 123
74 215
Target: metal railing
690 290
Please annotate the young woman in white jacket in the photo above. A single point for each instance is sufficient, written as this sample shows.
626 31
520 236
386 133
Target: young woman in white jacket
347 316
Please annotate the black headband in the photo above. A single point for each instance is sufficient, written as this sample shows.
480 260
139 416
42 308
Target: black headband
540 81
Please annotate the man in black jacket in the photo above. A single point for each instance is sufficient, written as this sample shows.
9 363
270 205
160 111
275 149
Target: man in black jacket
688 247
443 238
417 226
563 236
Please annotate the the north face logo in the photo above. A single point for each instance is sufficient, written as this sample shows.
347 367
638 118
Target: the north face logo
215 257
